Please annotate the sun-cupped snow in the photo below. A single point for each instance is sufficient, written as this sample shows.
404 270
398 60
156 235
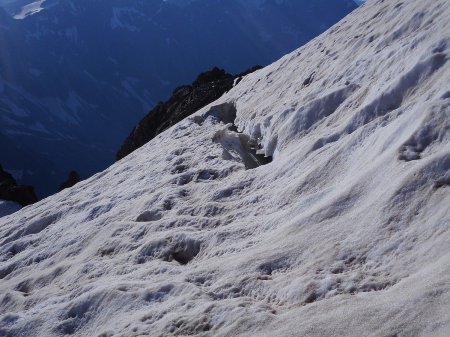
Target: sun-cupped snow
346 232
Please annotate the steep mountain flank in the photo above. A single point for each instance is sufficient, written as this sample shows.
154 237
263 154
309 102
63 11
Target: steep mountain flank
345 232
77 76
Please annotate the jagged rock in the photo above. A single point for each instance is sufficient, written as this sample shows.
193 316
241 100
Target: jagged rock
10 191
72 179
185 100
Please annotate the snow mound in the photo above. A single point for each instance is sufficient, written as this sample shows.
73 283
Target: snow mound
345 233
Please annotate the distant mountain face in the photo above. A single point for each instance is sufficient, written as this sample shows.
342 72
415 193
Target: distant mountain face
76 76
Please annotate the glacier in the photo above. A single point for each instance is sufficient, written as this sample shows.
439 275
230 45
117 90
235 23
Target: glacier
346 232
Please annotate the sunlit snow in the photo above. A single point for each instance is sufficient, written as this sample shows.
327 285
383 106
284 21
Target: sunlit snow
345 233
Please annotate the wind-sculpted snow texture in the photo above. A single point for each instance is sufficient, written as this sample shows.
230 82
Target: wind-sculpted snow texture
345 233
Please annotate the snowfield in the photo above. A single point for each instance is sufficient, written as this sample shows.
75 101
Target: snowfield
345 233
30 9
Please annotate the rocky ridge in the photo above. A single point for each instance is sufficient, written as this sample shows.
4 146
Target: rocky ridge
185 100
10 191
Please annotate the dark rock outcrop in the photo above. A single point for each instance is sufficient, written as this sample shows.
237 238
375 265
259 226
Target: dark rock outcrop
185 100
10 191
72 180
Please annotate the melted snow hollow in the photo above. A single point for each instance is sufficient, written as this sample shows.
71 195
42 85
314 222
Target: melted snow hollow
345 233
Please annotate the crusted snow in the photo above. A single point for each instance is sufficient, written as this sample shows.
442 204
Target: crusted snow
345 233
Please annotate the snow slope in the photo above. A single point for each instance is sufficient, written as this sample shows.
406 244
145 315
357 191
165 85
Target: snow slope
77 76
345 233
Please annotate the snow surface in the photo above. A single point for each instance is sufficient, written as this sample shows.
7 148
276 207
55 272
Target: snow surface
30 9
345 233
